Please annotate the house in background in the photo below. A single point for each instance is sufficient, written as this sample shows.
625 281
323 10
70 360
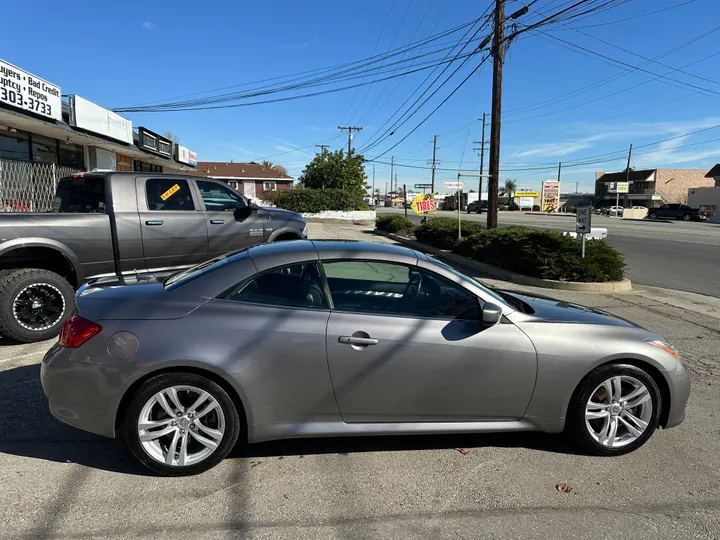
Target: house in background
651 187
250 179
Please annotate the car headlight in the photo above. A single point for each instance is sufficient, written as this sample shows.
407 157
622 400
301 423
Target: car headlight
665 346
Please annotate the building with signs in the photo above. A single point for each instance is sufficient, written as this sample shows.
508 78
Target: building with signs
251 179
649 187
44 137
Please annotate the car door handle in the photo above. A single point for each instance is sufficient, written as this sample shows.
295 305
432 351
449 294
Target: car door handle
217 221
153 223
350 340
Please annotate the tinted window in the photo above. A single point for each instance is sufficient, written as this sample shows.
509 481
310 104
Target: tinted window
379 287
218 197
15 146
44 149
297 285
168 194
85 194
71 155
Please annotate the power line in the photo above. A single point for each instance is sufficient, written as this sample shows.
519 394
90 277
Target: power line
638 16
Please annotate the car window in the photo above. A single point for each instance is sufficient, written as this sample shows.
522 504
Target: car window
296 285
673 206
665 206
168 194
218 197
84 194
391 288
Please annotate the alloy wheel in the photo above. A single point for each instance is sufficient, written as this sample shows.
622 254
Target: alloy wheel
38 306
181 426
619 411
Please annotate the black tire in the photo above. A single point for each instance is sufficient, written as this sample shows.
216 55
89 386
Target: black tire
687 217
575 425
53 287
652 215
165 380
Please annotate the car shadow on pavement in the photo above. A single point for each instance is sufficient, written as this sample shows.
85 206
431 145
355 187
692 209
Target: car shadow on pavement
349 445
28 429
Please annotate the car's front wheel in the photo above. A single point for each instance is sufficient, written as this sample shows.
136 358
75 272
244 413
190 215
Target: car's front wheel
687 217
181 424
652 215
615 410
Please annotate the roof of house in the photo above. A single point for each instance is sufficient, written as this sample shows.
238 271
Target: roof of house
635 176
252 170
715 171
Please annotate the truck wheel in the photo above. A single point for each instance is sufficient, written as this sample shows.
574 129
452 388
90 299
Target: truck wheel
34 304
687 217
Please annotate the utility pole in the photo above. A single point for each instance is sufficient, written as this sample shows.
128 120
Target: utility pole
392 171
498 52
373 188
627 178
432 181
482 157
559 168
576 187
350 130
322 147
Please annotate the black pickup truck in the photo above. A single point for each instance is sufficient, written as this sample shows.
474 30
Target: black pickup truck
122 224
677 211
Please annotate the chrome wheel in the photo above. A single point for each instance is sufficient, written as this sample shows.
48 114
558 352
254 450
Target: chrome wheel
181 426
619 411
39 306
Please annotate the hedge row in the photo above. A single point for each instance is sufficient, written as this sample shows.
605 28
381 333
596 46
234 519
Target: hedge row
394 224
531 252
317 200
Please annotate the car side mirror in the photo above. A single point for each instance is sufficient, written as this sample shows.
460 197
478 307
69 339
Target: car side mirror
491 313
243 213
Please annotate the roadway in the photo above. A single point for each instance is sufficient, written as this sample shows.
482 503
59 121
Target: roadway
675 255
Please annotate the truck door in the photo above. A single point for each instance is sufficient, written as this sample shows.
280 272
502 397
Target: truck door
231 222
173 227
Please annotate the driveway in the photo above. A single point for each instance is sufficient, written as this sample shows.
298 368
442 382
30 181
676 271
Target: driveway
57 482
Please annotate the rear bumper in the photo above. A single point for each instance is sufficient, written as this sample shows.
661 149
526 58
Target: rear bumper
679 384
85 396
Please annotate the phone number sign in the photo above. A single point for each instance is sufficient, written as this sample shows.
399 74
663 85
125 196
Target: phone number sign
23 90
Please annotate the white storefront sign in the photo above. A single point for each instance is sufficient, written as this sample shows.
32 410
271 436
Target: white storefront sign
185 155
526 202
87 115
24 90
454 185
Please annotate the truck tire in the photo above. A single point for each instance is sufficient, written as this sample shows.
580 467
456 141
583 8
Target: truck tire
34 304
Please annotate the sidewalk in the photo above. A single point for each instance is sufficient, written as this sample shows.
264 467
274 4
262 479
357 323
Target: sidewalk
689 321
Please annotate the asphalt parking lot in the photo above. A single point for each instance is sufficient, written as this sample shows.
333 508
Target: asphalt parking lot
57 482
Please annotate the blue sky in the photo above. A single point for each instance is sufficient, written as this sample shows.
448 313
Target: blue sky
130 53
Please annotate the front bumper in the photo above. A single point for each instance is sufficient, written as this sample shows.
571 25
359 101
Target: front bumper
679 384
83 395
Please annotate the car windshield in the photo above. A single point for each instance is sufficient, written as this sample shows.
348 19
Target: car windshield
470 280
201 269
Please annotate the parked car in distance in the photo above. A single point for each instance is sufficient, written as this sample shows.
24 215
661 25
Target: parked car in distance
477 207
677 211
616 210
321 339
120 223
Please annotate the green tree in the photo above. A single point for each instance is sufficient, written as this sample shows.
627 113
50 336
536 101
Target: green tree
510 187
335 170
281 170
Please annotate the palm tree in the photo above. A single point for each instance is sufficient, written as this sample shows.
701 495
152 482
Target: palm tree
280 169
510 187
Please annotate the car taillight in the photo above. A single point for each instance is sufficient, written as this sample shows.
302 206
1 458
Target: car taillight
77 331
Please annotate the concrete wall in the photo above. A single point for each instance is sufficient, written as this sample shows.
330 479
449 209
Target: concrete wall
673 184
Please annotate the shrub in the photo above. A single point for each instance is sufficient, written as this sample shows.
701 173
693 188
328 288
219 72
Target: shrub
394 224
442 232
317 200
544 254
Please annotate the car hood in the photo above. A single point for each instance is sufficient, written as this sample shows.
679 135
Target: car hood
545 309
279 214
142 297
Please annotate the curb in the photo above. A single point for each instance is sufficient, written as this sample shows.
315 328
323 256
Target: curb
649 220
336 221
624 286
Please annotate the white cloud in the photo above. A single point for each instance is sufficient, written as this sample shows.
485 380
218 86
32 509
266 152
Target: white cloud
147 25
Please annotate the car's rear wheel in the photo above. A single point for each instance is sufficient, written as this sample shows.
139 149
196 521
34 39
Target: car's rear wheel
652 215
181 424
615 410
687 217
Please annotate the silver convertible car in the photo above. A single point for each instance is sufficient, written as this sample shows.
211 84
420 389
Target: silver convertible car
319 339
